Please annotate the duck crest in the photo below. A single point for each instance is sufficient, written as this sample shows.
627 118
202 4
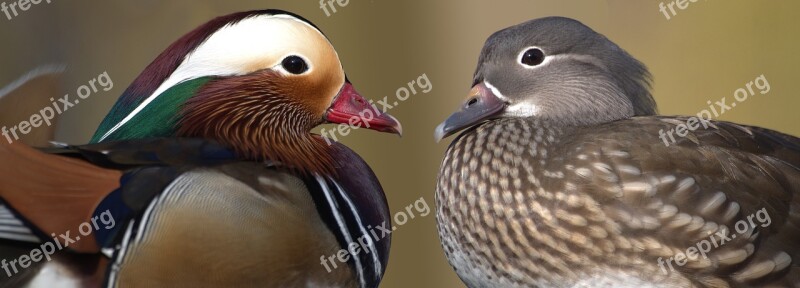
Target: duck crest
153 77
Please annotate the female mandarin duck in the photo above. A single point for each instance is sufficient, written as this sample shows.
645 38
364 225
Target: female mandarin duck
205 173
561 179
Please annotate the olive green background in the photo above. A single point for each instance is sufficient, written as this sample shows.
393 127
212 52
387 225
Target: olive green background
703 53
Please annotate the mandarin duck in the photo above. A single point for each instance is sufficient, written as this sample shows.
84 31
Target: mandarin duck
205 173
561 177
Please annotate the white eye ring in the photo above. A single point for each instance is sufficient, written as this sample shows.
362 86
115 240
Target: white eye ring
521 58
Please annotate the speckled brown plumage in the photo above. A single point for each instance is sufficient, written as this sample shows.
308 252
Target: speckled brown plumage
561 178
528 204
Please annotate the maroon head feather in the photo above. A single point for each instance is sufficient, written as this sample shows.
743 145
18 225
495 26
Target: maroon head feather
162 67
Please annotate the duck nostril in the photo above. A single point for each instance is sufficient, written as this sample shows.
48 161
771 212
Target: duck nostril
471 102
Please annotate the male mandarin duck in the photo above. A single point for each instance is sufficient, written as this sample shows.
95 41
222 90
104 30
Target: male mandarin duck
205 173
561 178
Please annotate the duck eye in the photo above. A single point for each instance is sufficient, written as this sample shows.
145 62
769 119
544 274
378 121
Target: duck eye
532 57
294 64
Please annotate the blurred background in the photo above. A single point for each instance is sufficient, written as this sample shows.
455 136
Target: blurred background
704 52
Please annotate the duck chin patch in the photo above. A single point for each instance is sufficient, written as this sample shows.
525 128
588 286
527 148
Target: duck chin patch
523 109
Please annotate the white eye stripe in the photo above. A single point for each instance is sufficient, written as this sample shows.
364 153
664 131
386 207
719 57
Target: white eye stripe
209 59
550 58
